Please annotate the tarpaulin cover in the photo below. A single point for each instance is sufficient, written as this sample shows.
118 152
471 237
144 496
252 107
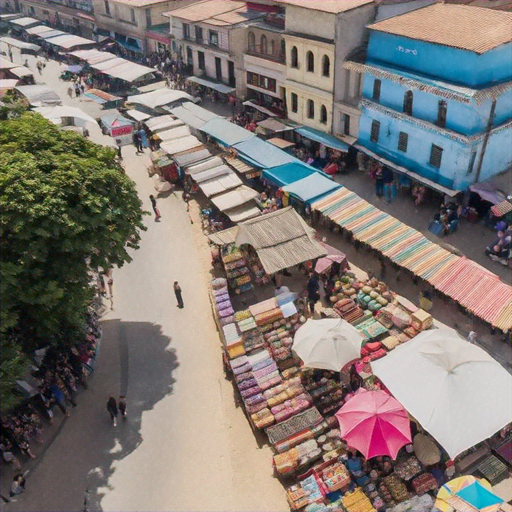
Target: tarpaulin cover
183 144
288 173
478 496
20 44
39 29
477 289
234 198
49 35
261 154
115 121
192 157
487 191
323 138
38 95
311 187
69 41
456 391
159 97
223 89
226 132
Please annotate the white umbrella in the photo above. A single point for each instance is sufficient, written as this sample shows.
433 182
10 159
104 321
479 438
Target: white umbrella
327 344
457 392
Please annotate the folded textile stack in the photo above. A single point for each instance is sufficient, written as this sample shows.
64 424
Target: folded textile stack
236 268
357 501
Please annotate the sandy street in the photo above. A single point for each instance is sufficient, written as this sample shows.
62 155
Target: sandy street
185 445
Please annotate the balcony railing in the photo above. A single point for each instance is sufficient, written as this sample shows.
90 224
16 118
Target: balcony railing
280 58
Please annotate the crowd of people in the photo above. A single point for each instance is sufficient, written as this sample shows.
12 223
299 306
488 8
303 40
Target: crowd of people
57 380
500 249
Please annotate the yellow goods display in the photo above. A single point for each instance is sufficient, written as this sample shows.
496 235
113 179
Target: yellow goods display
357 502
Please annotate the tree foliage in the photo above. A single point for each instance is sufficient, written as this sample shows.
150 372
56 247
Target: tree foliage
67 208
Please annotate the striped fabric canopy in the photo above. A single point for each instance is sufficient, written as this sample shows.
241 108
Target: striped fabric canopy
474 287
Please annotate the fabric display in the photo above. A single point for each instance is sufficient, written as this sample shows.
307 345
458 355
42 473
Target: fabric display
305 492
335 477
408 468
237 272
299 422
424 483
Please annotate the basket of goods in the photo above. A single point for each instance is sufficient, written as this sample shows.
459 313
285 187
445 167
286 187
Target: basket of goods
335 477
408 469
424 483
396 488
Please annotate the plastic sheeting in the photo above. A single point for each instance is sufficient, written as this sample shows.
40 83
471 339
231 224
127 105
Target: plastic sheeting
311 187
159 97
261 154
226 132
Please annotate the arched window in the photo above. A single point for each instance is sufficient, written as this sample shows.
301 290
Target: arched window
272 47
294 60
252 41
263 44
326 66
323 114
311 109
310 62
408 99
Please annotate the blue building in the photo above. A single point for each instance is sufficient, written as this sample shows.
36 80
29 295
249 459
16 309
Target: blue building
437 94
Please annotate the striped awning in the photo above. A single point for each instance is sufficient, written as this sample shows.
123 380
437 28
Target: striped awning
500 209
477 289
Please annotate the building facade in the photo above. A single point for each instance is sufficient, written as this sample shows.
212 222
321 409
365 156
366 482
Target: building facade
73 16
211 38
437 101
264 62
137 25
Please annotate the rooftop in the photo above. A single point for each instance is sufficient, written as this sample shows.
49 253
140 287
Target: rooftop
144 3
201 11
476 29
330 6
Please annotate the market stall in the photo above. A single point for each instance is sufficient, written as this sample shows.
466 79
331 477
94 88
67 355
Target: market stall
38 95
225 132
106 100
158 98
118 127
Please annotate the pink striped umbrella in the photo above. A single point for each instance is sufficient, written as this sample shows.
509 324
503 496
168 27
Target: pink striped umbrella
374 423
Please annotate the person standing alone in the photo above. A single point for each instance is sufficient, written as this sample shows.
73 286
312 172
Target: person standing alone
177 292
112 409
155 209
122 406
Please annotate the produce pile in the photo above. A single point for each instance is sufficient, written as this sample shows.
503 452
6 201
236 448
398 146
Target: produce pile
393 489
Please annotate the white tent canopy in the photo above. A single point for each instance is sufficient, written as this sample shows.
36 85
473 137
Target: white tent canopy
176 132
456 390
327 344
63 111
93 56
39 29
159 97
129 71
69 41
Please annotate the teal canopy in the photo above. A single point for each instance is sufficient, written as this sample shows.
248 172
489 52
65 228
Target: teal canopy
258 153
478 496
323 138
288 173
311 187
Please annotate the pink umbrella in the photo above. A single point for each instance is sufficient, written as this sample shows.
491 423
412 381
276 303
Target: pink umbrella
374 423
333 256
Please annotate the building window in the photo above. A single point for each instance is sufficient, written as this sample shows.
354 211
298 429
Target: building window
294 60
403 140
374 132
252 42
436 154
295 102
132 14
376 90
148 18
31 11
326 66
471 162
200 61
310 62
408 98
186 31
107 7
263 44
272 47
346 124
190 58
199 34
214 38
442 107
263 82
311 109
323 114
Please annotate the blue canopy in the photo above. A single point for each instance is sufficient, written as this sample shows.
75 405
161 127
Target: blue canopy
323 138
258 153
478 496
311 187
115 121
74 69
288 173
226 132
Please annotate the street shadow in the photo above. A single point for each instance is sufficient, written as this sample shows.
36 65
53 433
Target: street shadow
147 365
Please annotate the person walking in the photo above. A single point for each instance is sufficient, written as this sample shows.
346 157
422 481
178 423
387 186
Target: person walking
70 91
313 292
136 141
60 399
155 209
472 337
179 297
112 409
122 406
18 485
110 284
379 182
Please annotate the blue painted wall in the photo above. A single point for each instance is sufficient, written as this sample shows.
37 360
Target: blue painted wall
498 155
444 62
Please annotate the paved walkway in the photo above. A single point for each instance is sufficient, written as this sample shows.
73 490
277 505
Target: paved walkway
185 444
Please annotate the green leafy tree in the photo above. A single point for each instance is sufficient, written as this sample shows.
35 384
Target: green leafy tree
67 209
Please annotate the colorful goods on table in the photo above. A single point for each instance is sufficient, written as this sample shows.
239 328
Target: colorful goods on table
237 272
424 483
408 468
303 493
395 488
357 501
415 504
335 477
